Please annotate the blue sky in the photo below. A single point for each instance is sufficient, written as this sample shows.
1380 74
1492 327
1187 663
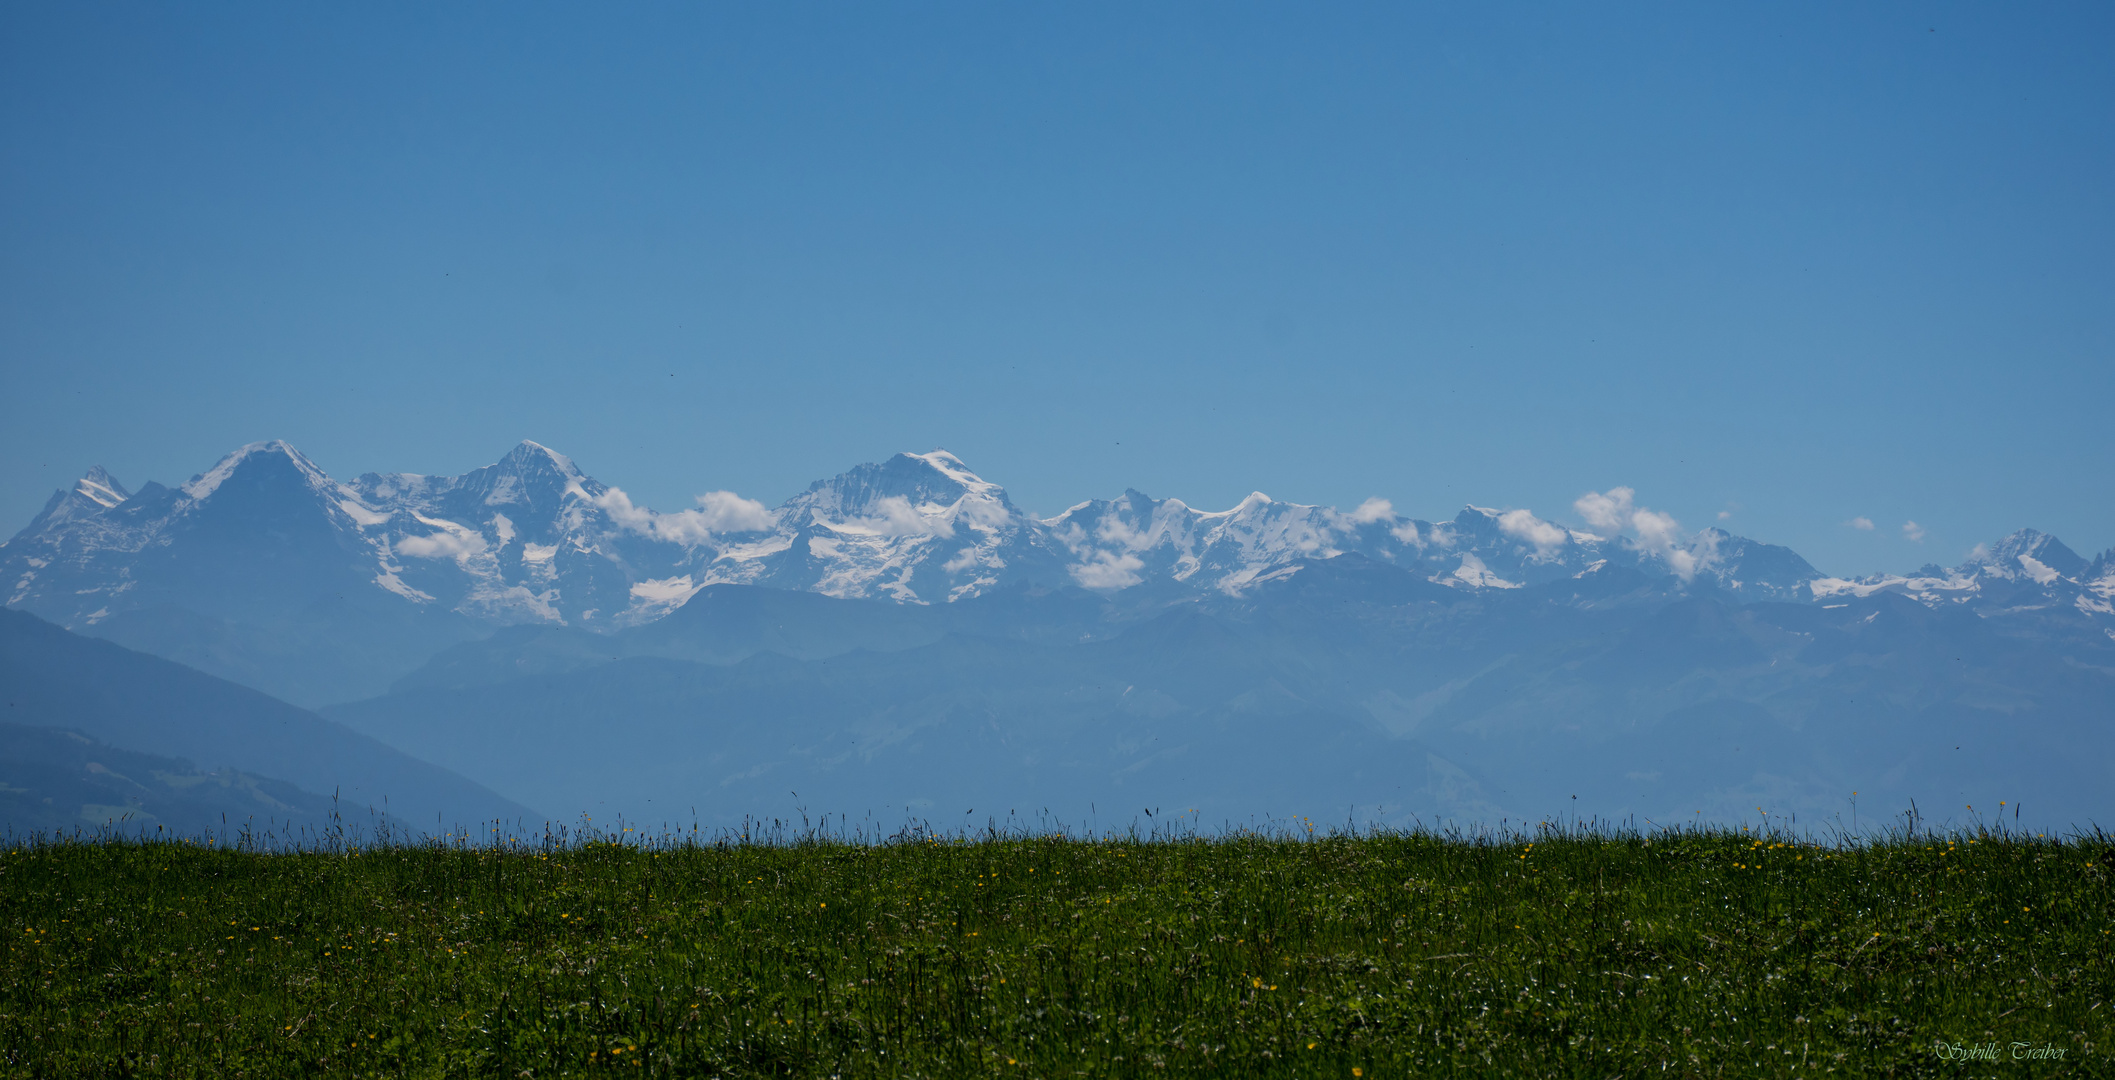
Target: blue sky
1793 264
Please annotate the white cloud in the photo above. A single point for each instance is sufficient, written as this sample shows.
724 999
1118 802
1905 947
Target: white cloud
442 545
1913 532
1701 552
1862 524
1109 570
664 590
1373 510
896 517
1662 534
1609 513
977 509
1606 514
1725 515
718 511
964 559
726 511
1115 530
1655 529
1523 525
618 506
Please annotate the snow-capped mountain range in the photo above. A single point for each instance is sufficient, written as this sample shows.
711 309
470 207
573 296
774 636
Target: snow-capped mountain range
532 539
1271 657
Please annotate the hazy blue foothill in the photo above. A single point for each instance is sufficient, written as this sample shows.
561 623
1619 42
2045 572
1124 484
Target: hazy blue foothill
901 640
1314 701
53 780
148 705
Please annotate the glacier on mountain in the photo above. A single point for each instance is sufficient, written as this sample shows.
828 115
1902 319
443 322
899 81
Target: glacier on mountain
533 539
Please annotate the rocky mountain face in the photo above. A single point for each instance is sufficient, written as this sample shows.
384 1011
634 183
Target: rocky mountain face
2026 571
265 570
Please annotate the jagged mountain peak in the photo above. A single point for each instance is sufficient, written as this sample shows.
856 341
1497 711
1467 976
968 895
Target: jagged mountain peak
2099 580
2033 552
531 537
530 483
529 456
1750 567
1132 505
2026 563
926 484
533 476
91 495
258 459
101 488
1252 504
953 468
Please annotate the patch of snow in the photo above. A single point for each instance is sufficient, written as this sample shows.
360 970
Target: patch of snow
1255 501
99 493
208 482
512 603
896 517
390 581
950 466
1236 584
2041 573
1926 589
1472 571
362 516
669 591
1055 522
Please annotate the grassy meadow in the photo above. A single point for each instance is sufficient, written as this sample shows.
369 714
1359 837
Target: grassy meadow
1567 953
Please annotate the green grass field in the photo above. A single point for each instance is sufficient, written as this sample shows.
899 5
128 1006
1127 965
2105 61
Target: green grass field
1698 954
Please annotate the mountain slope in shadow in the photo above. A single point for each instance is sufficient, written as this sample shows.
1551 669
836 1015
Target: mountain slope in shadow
57 781
50 677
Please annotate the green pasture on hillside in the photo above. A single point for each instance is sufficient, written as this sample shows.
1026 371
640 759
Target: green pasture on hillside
1379 955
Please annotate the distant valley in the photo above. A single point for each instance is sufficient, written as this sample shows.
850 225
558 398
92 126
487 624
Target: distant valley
901 641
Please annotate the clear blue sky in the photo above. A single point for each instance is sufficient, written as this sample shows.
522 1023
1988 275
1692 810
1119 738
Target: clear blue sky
1800 263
